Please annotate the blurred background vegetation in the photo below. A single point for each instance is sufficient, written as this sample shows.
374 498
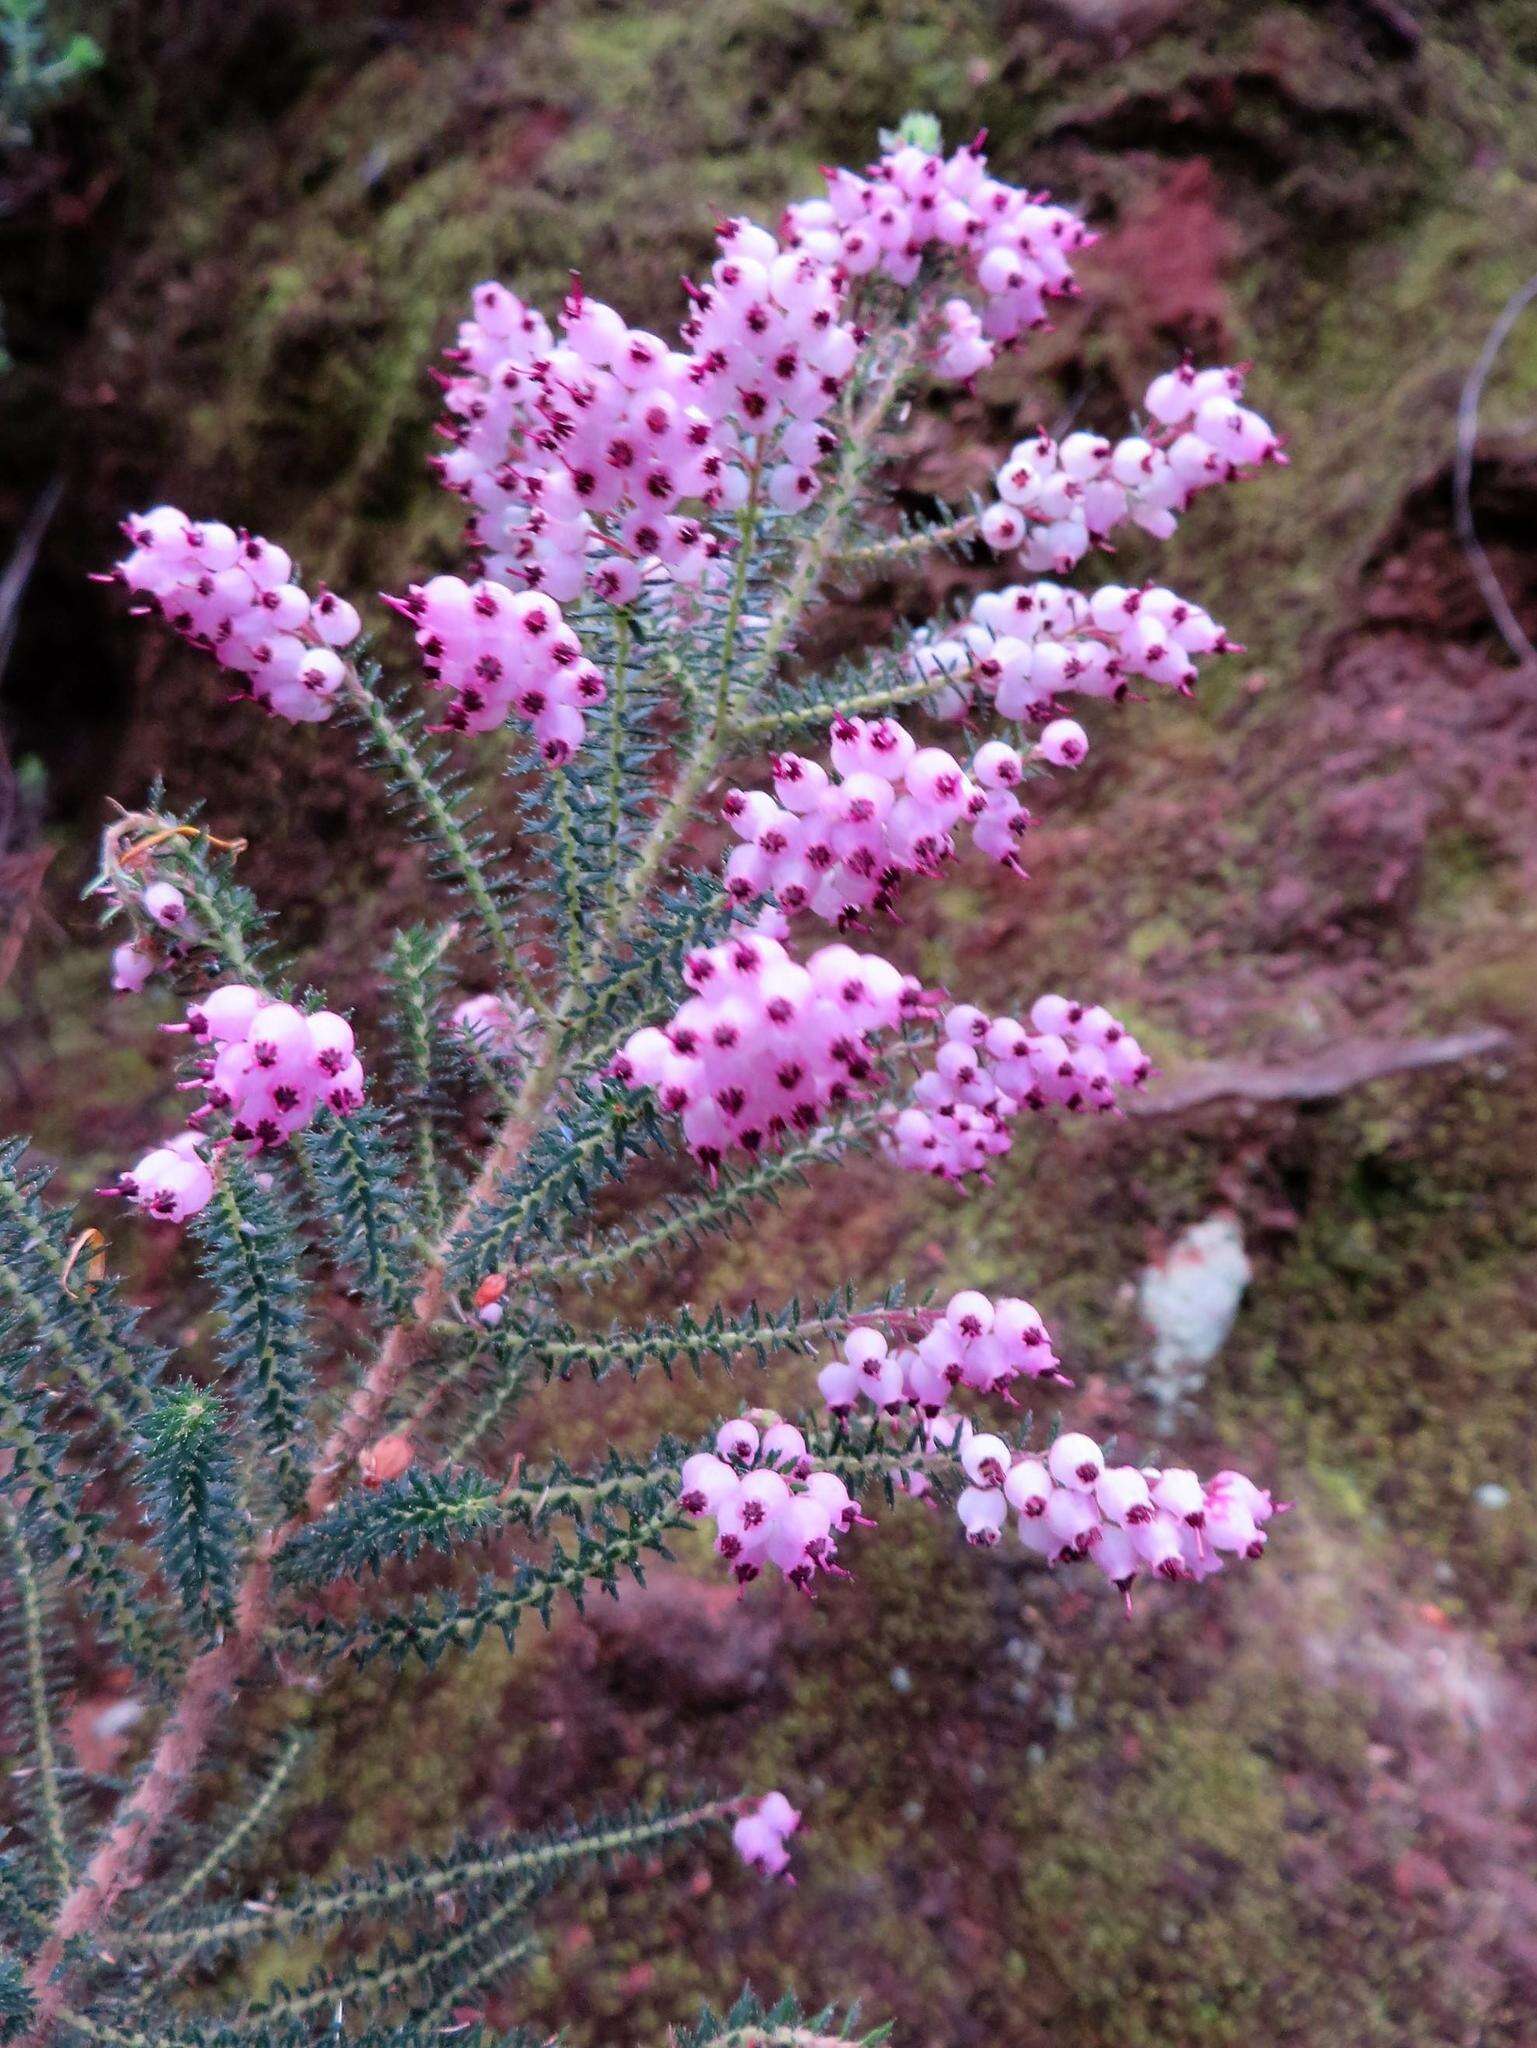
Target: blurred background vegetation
1292 1808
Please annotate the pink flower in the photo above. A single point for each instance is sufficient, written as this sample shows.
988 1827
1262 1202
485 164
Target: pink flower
761 1833
166 905
268 1068
1071 1056
169 1183
1058 499
838 843
132 966
764 1047
497 650
229 593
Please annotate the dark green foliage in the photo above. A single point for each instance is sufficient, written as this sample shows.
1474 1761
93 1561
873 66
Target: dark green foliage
216 1851
431 1626
17 2004
47 1495
274 2030
443 1509
433 795
23 1898
494 1368
681 1222
584 1145
26 1662
77 1322
749 2023
617 998
865 688
720 1338
490 1869
426 1974
364 1209
191 1493
368 1529
419 981
251 1249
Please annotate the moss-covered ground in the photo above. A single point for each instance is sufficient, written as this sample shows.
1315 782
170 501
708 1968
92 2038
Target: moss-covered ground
1291 1808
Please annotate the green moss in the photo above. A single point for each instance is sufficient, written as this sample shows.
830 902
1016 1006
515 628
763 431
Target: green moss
1396 1342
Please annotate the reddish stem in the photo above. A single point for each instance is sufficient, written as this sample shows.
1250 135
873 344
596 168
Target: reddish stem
213 1677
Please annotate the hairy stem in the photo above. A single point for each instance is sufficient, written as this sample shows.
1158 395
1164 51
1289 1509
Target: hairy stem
617 692
875 554
372 1897
738 595
212 1679
46 1762
394 746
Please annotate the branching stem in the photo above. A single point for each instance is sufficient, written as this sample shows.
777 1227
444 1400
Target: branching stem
214 1676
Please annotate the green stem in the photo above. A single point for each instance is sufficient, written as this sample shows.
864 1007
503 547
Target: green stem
250 1817
49 1801
510 1384
811 562
744 556
617 695
379 1897
395 747
570 874
764 725
822 546
759 1182
276 1412
876 553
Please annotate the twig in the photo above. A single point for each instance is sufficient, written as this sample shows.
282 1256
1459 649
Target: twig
1350 1063
1511 630
18 570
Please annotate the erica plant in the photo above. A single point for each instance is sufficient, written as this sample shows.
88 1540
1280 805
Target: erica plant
398 1249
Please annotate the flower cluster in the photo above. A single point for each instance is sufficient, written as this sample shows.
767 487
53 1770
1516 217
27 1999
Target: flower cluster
760 1834
838 843
275 1065
578 457
773 1505
1131 1523
593 459
978 1343
495 650
588 461
136 960
1070 1056
1057 499
770 1503
269 1068
1025 648
1014 247
764 1046
232 594
171 1182
770 353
